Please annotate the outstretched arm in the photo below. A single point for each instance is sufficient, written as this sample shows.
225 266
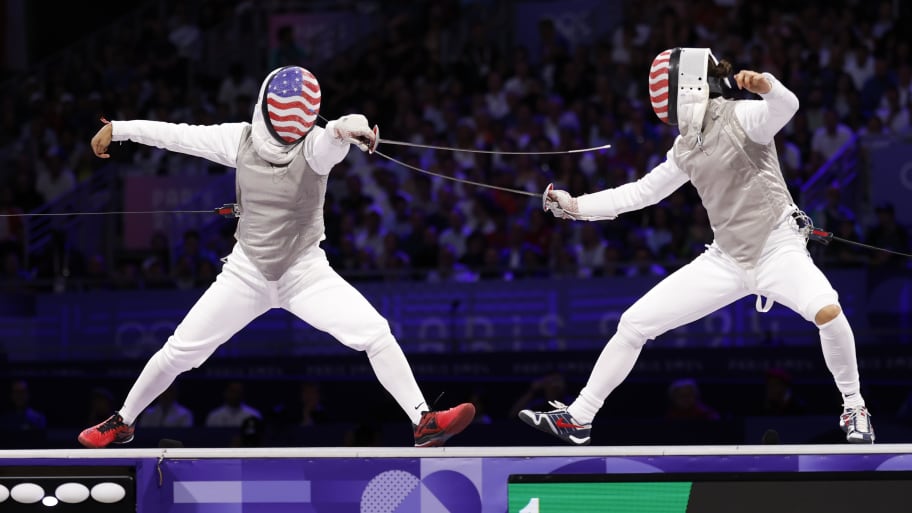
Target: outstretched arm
762 119
218 143
609 203
324 148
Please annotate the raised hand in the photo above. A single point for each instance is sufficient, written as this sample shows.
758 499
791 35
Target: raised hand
753 82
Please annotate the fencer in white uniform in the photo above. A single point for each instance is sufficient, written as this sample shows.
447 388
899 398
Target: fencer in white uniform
725 149
282 163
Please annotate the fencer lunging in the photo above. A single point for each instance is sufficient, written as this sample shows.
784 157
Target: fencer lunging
283 163
725 149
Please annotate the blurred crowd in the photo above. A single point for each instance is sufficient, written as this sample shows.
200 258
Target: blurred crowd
441 73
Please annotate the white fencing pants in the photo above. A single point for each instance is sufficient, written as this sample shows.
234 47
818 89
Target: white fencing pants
785 273
312 291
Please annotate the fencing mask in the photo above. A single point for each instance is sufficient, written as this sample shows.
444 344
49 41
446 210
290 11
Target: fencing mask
290 102
679 87
286 110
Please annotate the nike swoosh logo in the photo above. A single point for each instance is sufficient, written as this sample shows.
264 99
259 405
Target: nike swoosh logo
419 405
561 423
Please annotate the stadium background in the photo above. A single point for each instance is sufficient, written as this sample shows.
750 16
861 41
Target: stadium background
492 299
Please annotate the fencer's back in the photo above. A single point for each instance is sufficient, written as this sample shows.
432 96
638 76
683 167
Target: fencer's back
281 209
739 181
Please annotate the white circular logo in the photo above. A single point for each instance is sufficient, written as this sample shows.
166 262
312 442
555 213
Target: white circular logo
905 175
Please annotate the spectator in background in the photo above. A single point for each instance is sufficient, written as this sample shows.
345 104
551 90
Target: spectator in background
101 402
455 233
874 127
829 138
893 112
846 255
233 410
355 201
237 84
833 211
539 87
657 231
590 251
644 264
54 178
167 411
21 416
191 256
185 34
449 268
790 162
876 86
154 275
251 433
307 409
889 234
779 398
859 64
60 260
685 403
286 52
541 393
371 234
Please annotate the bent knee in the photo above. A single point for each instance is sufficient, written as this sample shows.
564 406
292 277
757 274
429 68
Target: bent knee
629 334
177 357
827 314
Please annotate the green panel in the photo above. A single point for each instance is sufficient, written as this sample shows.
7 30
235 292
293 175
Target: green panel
669 497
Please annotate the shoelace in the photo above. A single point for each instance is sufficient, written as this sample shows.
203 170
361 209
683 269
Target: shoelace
860 418
111 423
426 418
434 404
558 406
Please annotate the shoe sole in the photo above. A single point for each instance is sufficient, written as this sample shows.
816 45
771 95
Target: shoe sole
90 445
544 427
457 426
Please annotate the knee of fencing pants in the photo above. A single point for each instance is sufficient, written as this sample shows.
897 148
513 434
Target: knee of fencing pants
633 327
364 332
818 303
379 344
629 334
179 356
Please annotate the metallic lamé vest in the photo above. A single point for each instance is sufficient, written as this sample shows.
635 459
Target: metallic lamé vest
281 209
739 181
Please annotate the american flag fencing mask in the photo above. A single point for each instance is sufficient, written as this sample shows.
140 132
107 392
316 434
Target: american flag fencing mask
661 90
680 86
290 104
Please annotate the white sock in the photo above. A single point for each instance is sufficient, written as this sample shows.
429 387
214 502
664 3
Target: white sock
612 367
152 381
838 344
395 374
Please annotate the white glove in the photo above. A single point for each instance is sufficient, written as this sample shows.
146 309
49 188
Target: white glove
565 206
353 129
560 203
